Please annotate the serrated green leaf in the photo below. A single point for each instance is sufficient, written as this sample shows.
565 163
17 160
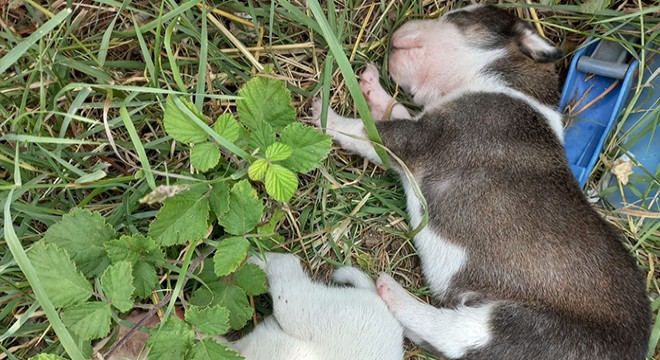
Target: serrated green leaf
245 209
117 282
251 279
82 234
204 156
257 171
265 100
46 357
309 146
219 198
135 248
171 340
228 127
278 151
145 279
261 137
226 295
281 183
61 280
594 6
89 320
209 349
212 320
179 126
182 218
230 254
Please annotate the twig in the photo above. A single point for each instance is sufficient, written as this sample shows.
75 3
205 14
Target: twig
193 264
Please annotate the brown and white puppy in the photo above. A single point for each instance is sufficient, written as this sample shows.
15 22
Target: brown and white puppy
524 266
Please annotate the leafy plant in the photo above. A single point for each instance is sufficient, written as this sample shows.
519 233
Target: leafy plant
92 274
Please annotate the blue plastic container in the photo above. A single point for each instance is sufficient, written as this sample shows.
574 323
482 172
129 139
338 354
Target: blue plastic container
642 145
597 86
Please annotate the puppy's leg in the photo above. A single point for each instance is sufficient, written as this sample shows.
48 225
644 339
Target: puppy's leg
293 292
381 104
349 275
452 332
402 137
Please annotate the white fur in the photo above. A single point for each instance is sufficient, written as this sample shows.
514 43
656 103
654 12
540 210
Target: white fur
349 133
448 62
441 260
450 331
348 275
312 321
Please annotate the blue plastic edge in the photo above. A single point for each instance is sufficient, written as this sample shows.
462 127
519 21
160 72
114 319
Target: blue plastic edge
582 174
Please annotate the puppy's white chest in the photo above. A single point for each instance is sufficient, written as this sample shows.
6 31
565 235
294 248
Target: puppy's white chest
441 260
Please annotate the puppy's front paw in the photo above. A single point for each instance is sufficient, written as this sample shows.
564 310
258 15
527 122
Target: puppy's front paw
393 294
378 99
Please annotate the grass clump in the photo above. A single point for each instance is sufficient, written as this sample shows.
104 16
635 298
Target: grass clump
84 103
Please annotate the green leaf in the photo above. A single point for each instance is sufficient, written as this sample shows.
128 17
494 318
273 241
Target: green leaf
179 126
230 254
265 100
181 219
46 357
245 209
89 320
171 340
204 156
228 127
220 198
226 295
594 6
257 171
135 248
252 279
261 136
63 283
209 349
82 234
309 146
212 320
145 279
278 151
281 183
117 282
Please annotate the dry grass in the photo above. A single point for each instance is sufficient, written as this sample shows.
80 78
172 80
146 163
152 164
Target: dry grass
349 212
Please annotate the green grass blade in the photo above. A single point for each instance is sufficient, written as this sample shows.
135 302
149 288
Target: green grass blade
135 138
349 77
172 59
15 53
203 56
46 140
24 263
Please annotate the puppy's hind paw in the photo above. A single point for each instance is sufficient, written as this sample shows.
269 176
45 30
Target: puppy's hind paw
393 294
349 275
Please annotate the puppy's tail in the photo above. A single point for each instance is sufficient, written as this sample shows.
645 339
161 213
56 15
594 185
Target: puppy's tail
349 275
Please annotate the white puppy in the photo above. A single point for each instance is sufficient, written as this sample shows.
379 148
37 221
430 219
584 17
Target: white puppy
312 321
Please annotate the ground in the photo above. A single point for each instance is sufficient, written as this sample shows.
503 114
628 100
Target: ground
347 212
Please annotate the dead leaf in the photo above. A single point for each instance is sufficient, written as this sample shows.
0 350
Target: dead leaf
622 168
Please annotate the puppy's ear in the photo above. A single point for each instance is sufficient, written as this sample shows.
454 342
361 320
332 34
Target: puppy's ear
410 35
534 46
